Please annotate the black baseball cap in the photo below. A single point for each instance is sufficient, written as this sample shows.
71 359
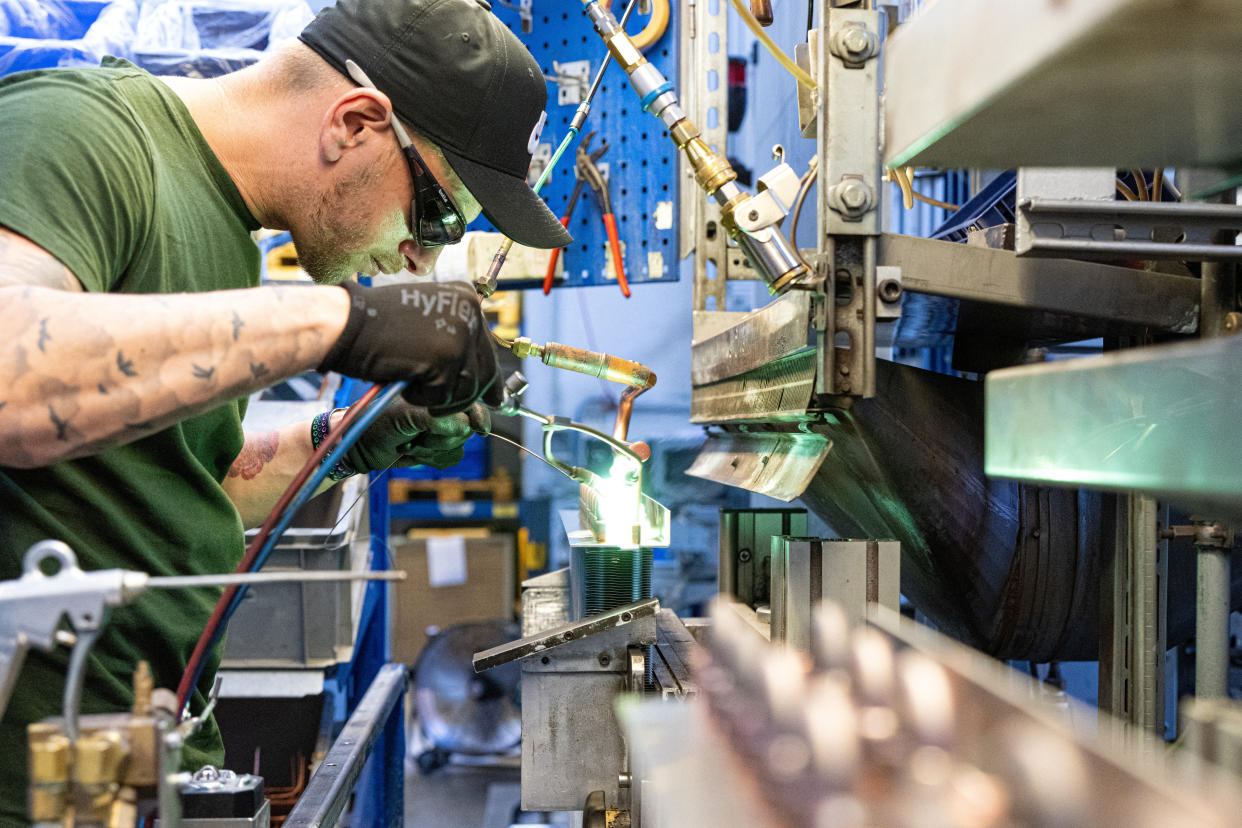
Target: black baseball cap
458 76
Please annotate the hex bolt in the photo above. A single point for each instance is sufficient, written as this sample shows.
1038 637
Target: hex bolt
853 195
855 40
855 43
890 290
604 659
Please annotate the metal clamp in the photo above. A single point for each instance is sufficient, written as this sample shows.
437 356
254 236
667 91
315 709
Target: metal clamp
564 634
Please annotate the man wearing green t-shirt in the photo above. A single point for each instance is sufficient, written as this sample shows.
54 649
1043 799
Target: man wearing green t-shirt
133 323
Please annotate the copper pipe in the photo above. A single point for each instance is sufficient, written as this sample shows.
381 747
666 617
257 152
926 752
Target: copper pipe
625 408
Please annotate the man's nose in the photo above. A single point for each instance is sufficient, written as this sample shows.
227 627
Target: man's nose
418 259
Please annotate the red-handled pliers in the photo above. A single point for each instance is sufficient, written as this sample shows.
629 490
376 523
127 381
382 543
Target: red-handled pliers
573 201
599 186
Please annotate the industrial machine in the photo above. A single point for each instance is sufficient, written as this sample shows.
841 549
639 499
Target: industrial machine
1024 511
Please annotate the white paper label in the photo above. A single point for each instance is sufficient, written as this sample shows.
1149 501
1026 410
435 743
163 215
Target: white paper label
446 560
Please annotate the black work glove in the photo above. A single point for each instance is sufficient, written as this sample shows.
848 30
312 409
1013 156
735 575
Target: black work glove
433 335
408 435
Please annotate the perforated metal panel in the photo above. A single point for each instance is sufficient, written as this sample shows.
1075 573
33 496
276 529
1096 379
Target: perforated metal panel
641 160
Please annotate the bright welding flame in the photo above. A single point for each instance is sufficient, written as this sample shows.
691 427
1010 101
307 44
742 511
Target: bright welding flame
620 501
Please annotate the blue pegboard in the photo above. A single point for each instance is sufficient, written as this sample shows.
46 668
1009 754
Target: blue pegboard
642 160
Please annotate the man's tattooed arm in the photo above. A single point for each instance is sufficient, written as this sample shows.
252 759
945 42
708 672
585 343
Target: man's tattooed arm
268 462
84 371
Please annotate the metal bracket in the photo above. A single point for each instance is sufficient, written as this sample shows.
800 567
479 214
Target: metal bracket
888 290
1128 230
564 634
538 161
573 78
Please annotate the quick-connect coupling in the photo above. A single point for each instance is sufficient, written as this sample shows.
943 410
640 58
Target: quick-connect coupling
711 171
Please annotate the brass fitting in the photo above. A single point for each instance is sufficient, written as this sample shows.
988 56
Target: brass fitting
522 348
49 777
97 759
683 132
144 686
711 171
624 51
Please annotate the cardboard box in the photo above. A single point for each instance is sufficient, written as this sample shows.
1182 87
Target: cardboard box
449 578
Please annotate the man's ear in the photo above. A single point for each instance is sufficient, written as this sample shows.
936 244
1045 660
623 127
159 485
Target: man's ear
352 120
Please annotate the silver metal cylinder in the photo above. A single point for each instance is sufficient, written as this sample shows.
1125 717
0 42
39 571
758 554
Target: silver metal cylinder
602 19
670 114
1212 623
646 79
769 254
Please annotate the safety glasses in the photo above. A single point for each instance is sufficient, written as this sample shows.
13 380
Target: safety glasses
435 221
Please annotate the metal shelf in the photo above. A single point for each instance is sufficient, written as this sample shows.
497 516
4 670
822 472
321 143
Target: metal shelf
979 83
1161 421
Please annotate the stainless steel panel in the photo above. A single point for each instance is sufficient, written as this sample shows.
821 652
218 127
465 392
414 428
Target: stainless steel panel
1057 82
776 464
545 602
1121 295
781 391
1159 420
760 337
571 741
853 574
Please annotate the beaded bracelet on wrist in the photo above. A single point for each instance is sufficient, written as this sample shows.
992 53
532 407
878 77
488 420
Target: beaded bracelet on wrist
320 426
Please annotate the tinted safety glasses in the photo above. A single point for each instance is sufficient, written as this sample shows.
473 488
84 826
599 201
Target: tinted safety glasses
435 220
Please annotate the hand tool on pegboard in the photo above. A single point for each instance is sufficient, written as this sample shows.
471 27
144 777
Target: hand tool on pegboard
594 177
569 208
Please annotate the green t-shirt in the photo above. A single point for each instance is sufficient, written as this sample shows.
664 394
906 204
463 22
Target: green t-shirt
105 169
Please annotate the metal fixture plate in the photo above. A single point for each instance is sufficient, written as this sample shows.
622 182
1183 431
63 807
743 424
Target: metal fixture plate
1127 229
1159 420
1133 617
854 574
779 391
671 657
564 634
758 338
964 77
848 200
776 464
1122 295
571 740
